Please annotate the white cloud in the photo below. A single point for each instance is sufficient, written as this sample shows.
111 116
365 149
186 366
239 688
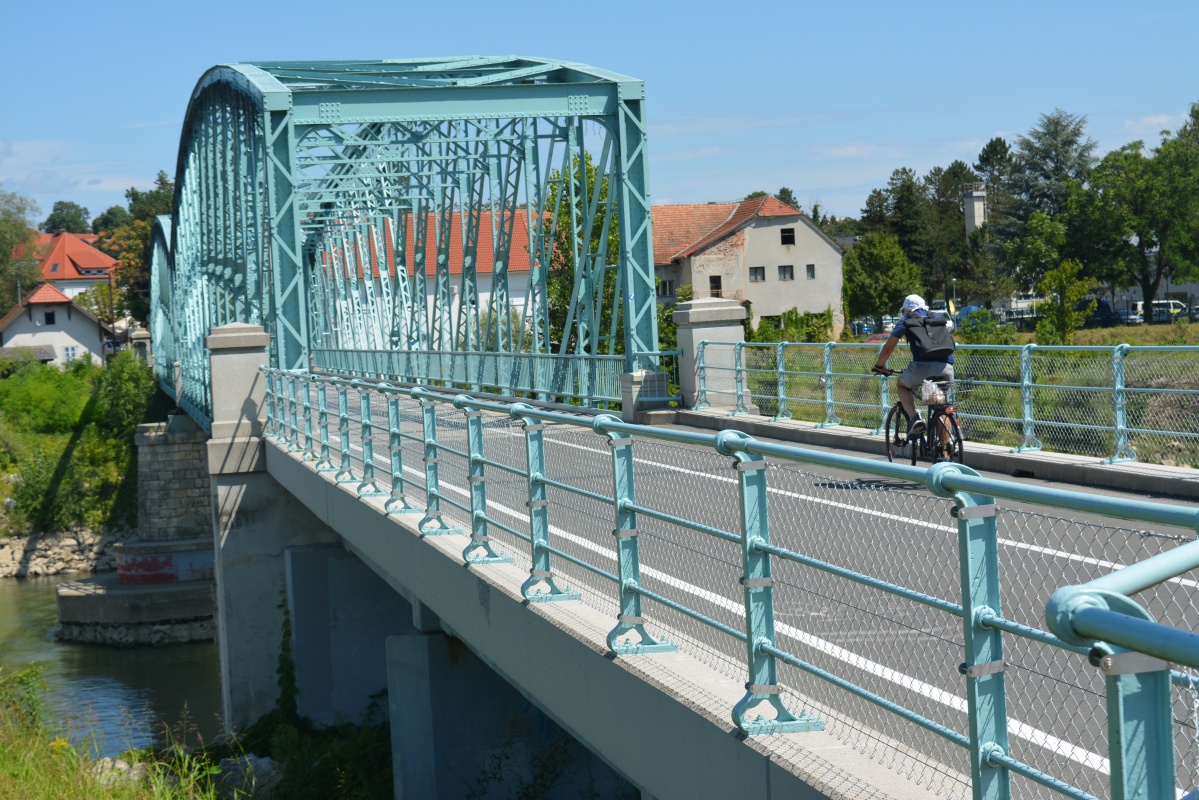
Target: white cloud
1150 126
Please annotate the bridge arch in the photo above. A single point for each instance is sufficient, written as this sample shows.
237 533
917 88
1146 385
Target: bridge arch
477 222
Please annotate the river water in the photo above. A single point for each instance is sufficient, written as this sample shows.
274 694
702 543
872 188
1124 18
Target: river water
115 698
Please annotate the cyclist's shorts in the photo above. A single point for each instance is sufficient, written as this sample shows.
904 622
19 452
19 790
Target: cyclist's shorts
918 372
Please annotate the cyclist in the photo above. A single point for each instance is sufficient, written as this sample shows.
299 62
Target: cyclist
932 354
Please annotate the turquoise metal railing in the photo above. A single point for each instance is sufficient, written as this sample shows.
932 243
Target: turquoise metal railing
506 445
1122 403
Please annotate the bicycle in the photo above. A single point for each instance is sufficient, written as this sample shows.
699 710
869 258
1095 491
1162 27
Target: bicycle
942 417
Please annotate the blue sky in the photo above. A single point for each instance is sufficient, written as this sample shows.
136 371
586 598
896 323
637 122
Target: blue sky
826 98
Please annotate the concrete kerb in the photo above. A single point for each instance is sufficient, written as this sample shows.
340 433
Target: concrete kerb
664 720
1151 479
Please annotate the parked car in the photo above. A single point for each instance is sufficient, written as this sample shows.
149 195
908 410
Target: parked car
861 328
1130 317
878 338
1102 316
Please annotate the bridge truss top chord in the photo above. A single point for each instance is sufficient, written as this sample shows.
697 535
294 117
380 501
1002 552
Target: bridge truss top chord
478 220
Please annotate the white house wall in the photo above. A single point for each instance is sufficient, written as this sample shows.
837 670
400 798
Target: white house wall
77 331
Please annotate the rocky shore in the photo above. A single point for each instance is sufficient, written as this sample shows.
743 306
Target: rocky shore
58 553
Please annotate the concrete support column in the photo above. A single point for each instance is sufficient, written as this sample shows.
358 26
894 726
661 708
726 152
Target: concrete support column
711 319
254 522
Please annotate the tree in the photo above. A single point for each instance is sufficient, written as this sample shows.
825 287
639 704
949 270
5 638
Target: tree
756 195
1065 290
110 220
149 204
1051 155
18 263
102 301
877 275
874 217
1149 205
1038 250
66 216
905 212
129 244
786 196
994 163
944 231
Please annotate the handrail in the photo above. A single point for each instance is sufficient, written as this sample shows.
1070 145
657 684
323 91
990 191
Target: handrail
1097 617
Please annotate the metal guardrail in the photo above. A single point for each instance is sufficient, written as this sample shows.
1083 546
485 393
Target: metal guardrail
1120 403
510 470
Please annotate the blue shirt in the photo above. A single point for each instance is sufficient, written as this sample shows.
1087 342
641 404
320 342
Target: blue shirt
900 331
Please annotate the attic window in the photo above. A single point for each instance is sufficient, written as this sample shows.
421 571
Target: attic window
49 318
54 267
787 235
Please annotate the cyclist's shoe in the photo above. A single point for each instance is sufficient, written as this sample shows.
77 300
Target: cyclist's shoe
916 427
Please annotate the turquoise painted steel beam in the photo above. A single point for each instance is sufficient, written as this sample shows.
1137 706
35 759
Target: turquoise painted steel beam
479 550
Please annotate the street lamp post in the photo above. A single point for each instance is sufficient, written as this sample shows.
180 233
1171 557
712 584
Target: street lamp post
955 295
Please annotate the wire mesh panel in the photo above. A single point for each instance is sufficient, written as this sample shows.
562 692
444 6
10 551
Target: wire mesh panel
1162 397
1072 395
903 651
718 376
993 411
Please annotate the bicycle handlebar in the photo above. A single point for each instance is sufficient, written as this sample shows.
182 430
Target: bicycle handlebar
884 371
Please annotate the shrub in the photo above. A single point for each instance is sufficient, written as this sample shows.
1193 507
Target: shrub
981 327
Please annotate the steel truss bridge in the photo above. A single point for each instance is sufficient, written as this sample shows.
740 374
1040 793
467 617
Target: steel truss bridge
345 206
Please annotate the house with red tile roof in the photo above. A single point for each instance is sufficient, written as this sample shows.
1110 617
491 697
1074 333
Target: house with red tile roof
69 261
761 250
50 327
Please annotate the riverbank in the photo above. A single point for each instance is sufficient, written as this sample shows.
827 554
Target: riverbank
46 554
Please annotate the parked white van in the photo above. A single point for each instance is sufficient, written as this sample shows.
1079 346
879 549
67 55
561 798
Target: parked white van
1163 310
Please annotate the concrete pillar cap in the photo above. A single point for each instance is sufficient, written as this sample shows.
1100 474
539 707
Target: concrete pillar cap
238 336
708 310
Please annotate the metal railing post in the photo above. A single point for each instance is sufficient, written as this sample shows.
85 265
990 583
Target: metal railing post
309 448
540 586
701 396
431 524
884 402
830 412
293 427
739 378
757 588
479 550
1140 722
782 412
271 427
1030 441
397 503
1124 451
325 462
345 472
628 557
369 487
986 688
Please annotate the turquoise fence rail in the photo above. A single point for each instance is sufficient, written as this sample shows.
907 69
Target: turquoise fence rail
903 611
1120 403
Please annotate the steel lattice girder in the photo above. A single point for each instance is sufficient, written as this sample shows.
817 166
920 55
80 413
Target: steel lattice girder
308 194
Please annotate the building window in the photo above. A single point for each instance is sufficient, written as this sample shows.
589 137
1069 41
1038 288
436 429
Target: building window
811 272
757 274
69 353
665 288
787 235
54 267
714 285
786 272
48 318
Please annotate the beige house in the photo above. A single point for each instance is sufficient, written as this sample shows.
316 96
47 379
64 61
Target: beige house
50 327
760 250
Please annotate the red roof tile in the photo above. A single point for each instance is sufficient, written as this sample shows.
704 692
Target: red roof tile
677 227
47 294
746 210
518 256
73 253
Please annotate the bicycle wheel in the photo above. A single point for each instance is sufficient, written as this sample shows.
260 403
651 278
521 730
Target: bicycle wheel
955 444
898 446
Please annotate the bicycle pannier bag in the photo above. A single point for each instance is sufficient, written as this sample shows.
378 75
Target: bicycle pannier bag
929 337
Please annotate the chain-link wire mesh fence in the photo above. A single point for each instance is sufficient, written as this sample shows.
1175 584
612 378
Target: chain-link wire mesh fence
1114 402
